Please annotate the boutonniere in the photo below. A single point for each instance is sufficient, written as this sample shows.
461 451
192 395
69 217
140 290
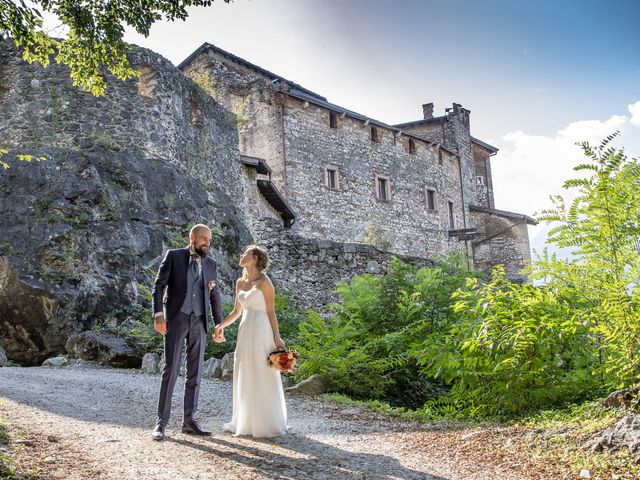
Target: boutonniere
212 285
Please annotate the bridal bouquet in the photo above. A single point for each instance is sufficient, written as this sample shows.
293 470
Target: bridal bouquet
283 360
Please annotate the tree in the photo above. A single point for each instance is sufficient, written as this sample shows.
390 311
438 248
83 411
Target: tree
602 225
95 31
511 348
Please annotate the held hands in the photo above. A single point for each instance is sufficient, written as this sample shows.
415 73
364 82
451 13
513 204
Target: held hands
218 334
160 324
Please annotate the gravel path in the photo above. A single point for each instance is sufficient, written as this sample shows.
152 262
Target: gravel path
96 423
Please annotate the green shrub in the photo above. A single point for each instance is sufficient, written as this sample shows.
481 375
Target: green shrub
365 348
511 348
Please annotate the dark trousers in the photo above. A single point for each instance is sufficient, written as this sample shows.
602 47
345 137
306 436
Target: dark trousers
190 328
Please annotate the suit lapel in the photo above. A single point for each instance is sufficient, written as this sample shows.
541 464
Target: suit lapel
186 254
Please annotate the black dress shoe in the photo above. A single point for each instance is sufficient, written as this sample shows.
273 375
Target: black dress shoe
158 432
194 429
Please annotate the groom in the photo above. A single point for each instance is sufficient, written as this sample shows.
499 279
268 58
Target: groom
185 295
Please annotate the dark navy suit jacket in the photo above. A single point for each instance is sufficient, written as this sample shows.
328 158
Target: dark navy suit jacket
170 287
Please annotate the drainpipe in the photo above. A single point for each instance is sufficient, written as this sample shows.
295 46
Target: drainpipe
285 184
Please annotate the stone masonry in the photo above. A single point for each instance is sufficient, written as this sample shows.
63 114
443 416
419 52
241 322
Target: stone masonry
224 142
434 171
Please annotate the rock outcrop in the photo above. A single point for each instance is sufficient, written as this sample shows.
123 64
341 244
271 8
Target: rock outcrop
625 433
125 176
104 349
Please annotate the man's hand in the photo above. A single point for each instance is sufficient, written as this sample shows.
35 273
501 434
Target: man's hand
160 324
218 335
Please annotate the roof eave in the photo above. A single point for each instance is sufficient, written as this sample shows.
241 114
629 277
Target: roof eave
503 213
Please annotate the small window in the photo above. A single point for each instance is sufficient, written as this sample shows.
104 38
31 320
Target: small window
479 180
452 222
333 120
431 199
331 178
375 135
412 146
383 191
440 155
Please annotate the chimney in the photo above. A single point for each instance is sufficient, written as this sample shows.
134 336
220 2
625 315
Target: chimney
427 110
462 113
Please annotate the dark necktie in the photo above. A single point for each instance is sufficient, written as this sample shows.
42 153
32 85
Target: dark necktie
194 265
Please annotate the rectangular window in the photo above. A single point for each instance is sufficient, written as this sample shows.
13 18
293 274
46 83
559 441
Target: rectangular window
333 119
440 154
375 135
332 178
479 180
431 199
452 222
382 188
412 146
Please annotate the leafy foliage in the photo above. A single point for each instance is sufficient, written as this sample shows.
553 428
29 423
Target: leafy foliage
365 348
602 226
511 348
94 37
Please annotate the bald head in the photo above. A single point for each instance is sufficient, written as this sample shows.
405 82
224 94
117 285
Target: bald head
198 229
200 239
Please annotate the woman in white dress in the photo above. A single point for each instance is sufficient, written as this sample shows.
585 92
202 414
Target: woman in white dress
259 407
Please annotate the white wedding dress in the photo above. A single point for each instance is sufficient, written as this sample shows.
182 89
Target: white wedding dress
259 408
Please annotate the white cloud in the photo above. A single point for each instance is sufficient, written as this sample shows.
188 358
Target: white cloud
634 109
531 168
592 131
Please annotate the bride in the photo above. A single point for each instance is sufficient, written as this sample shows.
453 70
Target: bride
259 408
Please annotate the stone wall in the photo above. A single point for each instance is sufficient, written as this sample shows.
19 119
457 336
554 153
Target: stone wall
352 212
504 240
250 96
125 175
308 270
482 168
258 207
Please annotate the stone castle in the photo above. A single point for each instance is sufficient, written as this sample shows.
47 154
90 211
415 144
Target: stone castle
330 192
419 188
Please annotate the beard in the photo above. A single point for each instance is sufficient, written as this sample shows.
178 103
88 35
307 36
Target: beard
202 251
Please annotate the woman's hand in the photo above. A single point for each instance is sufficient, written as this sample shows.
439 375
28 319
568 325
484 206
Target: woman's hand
218 334
279 343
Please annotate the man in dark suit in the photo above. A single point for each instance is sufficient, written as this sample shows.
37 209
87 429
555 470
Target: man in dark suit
185 297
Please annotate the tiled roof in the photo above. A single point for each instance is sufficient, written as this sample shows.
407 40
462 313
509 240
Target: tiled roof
209 47
304 94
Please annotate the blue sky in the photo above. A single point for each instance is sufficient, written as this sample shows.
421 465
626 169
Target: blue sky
536 75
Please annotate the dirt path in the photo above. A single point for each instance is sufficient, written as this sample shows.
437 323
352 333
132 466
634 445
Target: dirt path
96 423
